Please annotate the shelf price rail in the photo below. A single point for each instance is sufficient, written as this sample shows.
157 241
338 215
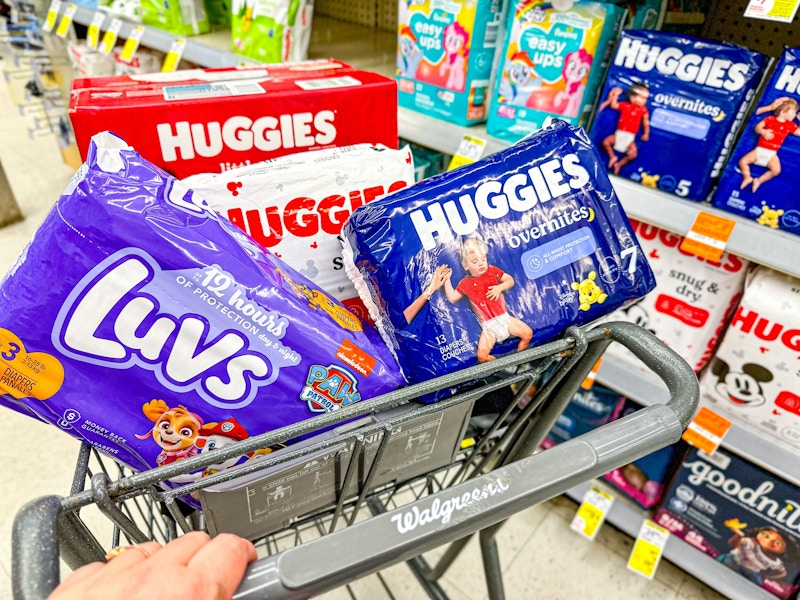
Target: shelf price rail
502 473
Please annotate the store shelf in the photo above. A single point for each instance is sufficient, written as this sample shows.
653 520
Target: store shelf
754 447
208 50
629 518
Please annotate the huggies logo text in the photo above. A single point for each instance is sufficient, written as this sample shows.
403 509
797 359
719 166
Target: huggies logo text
186 140
127 312
705 70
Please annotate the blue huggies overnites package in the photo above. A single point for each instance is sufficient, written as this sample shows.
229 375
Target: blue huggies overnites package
552 65
495 256
763 175
445 52
670 108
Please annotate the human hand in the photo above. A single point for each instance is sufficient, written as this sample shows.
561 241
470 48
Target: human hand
191 566
767 134
440 275
495 291
614 93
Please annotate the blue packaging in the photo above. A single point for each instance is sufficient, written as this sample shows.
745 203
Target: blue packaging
670 108
445 52
553 64
740 515
761 179
540 226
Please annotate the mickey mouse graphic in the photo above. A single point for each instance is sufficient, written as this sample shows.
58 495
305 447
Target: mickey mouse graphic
741 387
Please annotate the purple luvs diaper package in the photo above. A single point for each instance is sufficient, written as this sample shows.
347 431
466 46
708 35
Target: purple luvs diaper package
495 256
148 326
670 109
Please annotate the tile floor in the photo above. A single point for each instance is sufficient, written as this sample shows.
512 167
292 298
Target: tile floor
541 557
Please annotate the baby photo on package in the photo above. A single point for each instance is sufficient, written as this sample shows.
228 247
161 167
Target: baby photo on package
670 107
761 179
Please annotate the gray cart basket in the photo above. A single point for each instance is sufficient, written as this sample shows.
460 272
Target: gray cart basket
502 473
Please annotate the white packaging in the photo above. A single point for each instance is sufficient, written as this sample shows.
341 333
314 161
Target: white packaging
690 304
144 61
89 62
754 377
295 205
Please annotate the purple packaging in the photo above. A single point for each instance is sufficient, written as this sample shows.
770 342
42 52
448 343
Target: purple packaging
670 109
744 517
545 245
143 323
760 181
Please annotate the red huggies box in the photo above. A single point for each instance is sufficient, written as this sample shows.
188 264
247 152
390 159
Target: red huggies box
212 120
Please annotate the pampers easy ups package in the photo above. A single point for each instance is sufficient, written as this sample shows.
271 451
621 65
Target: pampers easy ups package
299 217
753 378
211 120
552 64
671 107
495 256
166 325
744 517
445 52
761 179
691 303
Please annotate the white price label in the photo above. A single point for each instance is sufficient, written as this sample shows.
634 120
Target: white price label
173 57
66 21
592 512
647 549
93 32
110 36
469 150
50 19
132 44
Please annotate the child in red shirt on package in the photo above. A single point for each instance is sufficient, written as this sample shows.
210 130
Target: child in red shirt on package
484 287
633 114
772 132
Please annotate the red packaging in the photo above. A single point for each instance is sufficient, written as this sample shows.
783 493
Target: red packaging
212 120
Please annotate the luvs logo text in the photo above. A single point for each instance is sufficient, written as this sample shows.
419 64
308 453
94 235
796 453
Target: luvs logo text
114 318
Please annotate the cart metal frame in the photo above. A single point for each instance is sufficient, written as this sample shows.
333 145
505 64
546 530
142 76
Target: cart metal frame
503 473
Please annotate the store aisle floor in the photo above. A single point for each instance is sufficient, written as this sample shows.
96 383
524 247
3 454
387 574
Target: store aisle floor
540 555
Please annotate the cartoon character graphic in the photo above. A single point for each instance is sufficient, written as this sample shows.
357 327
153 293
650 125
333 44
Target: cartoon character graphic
758 553
633 115
576 69
456 52
174 430
409 53
650 181
770 217
589 292
520 80
637 315
772 132
317 300
484 286
741 387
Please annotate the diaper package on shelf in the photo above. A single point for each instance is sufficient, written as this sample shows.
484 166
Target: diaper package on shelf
495 256
588 410
298 217
445 52
212 120
670 108
271 31
553 64
181 17
141 322
691 304
761 179
739 514
754 378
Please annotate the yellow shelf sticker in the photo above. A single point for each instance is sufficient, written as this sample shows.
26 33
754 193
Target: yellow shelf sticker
66 21
50 19
469 150
93 31
109 40
647 549
173 57
131 44
592 512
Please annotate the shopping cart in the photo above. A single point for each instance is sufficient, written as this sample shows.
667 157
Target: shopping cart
495 469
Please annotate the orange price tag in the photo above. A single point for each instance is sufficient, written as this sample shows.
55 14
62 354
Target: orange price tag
589 381
708 236
706 430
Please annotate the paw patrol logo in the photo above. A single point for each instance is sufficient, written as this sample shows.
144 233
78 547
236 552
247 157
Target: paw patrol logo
329 388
